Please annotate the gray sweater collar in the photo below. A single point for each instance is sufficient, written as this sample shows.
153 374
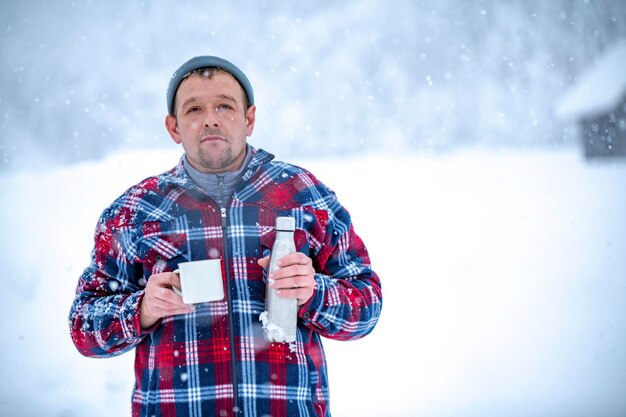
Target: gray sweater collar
220 187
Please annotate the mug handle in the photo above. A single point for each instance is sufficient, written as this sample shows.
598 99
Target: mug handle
176 289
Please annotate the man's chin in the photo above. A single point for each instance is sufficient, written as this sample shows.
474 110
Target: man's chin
217 165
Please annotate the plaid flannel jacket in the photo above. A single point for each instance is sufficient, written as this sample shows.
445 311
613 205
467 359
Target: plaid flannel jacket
216 360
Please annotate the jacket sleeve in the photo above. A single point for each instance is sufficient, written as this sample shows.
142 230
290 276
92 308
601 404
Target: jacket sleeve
347 300
104 317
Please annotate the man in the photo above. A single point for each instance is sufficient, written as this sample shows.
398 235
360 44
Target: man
221 202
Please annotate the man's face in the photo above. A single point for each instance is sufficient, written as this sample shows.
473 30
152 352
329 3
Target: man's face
211 122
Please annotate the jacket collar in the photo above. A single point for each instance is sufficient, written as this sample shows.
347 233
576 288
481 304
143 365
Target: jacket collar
178 176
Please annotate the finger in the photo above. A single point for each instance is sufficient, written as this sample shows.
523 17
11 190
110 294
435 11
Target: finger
264 262
175 280
160 308
284 283
171 308
296 258
292 271
168 310
166 298
295 281
288 283
168 294
161 296
301 294
163 280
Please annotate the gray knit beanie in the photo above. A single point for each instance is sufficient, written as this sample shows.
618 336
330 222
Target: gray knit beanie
206 62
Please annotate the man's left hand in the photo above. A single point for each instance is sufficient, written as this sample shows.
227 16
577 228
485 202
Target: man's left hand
294 278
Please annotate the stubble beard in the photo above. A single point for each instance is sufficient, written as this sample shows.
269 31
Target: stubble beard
218 160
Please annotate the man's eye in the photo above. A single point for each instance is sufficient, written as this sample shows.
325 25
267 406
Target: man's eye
193 109
225 107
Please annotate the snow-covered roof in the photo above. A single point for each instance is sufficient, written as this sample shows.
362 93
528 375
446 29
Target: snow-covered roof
599 89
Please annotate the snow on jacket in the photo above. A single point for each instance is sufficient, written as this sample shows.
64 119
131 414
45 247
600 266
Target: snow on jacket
216 360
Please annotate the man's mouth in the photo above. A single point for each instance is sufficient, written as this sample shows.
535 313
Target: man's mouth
212 138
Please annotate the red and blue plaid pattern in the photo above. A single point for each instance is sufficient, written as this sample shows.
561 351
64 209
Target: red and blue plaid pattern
216 361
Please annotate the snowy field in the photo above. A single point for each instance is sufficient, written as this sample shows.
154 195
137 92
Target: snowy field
504 282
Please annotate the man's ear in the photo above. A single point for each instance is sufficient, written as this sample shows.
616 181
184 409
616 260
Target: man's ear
250 119
172 128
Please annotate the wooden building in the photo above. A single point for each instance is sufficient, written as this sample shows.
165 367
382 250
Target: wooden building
597 102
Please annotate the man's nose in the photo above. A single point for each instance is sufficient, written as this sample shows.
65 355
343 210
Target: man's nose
211 119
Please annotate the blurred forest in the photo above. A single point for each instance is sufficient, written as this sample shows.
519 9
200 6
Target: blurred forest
82 78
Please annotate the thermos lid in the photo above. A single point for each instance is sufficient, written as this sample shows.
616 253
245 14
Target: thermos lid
285 224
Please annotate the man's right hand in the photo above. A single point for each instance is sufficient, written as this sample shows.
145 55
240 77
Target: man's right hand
160 300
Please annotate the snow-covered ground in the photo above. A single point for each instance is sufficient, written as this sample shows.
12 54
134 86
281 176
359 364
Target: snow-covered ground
504 281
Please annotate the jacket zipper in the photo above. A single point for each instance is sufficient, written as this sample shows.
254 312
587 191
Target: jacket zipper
231 321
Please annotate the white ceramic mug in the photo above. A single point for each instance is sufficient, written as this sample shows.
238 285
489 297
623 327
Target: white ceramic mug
200 281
